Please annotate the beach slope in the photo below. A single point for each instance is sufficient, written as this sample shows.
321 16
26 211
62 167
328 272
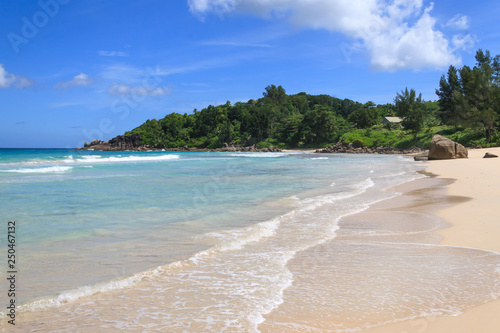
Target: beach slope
473 223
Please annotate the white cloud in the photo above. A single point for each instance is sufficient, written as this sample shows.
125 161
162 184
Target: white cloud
398 34
459 22
126 90
462 42
113 54
80 80
8 80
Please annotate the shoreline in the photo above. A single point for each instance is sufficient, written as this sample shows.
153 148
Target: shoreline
472 222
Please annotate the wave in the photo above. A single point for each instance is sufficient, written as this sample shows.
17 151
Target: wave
227 241
236 239
52 169
259 155
86 159
239 238
85 291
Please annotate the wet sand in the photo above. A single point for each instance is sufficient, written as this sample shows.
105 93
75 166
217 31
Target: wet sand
472 223
417 256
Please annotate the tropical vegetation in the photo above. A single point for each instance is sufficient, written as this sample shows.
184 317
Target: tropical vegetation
467 110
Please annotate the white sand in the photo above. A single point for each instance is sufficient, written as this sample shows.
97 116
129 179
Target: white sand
474 223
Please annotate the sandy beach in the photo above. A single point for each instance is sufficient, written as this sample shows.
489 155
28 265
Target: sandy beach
474 221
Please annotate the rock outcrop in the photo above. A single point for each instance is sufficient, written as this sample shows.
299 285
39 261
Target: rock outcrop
130 142
234 147
443 148
488 155
353 148
133 142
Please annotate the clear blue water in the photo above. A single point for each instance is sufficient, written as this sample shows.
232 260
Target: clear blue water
79 208
216 230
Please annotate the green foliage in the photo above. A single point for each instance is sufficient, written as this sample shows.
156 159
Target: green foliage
321 125
275 119
374 137
471 96
412 109
365 117
271 142
380 136
468 107
449 87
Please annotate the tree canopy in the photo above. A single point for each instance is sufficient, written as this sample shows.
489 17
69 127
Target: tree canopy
276 118
471 96
412 109
469 102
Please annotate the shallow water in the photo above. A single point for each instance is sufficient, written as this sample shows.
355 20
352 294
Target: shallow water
235 242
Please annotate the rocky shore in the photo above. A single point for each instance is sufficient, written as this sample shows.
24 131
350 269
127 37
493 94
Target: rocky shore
350 148
132 142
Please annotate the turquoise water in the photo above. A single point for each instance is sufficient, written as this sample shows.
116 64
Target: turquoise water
190 238
100 215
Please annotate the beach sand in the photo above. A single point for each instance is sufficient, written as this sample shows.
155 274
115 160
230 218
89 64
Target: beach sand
473 222
456 206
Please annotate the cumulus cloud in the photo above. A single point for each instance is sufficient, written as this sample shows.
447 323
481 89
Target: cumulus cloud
398 34
126 90
113 54
462 42
8 80
80 80
458 22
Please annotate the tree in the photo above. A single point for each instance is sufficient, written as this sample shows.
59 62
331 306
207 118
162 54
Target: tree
472 95
319 125
449 86
365 117
290 129
412 109
276 94
480 93
226 133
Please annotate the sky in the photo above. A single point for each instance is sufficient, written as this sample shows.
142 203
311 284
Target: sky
72 71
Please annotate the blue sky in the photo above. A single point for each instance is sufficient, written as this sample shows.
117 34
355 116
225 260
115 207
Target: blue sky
74 70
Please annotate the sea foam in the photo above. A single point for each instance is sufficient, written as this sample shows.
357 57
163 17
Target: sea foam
52 169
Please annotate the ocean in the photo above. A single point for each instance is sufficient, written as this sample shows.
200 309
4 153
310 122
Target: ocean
224 242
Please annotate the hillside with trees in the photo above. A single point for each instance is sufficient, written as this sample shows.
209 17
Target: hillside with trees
467 111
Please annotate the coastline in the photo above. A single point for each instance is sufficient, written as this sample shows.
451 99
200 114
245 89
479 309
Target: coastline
472 222
430 196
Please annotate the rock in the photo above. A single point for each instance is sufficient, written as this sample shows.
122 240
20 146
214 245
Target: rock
443 148
421 157
488 155
86 144
129 142
351 148
95 142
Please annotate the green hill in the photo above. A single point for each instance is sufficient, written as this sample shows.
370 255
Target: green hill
467 111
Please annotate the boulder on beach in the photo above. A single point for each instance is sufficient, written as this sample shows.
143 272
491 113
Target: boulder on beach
443 148
95 142
488 155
